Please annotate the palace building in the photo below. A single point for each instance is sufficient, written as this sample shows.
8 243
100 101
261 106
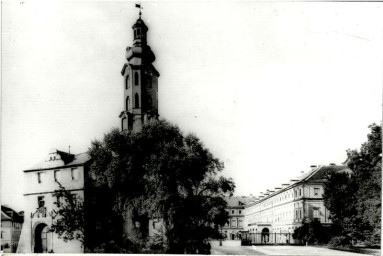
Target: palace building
279 211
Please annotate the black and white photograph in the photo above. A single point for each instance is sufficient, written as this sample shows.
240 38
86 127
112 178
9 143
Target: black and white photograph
180 127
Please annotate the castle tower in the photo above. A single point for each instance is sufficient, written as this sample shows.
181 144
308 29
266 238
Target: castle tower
140 81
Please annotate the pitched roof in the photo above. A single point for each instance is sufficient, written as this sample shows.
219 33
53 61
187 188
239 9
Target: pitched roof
315 174
237 201
10 214
59 159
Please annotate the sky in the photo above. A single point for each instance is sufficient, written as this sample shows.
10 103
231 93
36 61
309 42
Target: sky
271 88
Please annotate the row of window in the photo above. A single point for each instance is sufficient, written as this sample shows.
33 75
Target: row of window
41 200
57 175
235 211
136 79
279 198
235 223
316 192
137 102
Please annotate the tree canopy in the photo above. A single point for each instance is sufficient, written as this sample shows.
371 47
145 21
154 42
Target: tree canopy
354 199
68 218
160 173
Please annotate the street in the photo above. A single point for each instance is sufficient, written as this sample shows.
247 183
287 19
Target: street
237 249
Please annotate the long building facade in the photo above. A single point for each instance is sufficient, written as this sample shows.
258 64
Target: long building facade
279 211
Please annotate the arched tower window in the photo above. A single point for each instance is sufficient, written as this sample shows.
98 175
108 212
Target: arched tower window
136 101
127 103
137 33
127 82
136 77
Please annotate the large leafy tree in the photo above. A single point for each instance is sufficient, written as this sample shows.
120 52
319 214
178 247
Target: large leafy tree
354 198
160 173
68 218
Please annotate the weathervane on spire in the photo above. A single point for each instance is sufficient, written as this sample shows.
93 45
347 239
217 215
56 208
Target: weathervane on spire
139 6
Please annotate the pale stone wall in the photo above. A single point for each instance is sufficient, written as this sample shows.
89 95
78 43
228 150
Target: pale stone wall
285 211
71 178
48 183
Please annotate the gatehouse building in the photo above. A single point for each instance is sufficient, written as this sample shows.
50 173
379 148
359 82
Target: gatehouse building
41 182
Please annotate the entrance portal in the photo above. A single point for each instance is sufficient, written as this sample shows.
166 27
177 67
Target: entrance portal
265 236
41 231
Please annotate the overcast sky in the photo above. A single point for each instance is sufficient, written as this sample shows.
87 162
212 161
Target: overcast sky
270 88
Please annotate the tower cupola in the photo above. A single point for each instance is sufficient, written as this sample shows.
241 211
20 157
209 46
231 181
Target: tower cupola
140 81
139 30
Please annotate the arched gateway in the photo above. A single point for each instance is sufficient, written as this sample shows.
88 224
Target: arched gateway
40 241
265 236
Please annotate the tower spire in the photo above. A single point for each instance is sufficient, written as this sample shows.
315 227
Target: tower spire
140 81
139 7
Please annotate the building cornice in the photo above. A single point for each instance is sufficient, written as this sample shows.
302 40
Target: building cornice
56 167
51 192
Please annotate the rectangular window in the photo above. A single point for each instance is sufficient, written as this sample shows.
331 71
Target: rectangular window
239 211
39 177
233 223
300 192
316 213
316 191
56 175
300 214
74 173
232 211
240 223
40 201
58 203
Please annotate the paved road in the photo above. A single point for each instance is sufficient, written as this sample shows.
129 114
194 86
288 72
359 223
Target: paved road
301 251
278 251
234 250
